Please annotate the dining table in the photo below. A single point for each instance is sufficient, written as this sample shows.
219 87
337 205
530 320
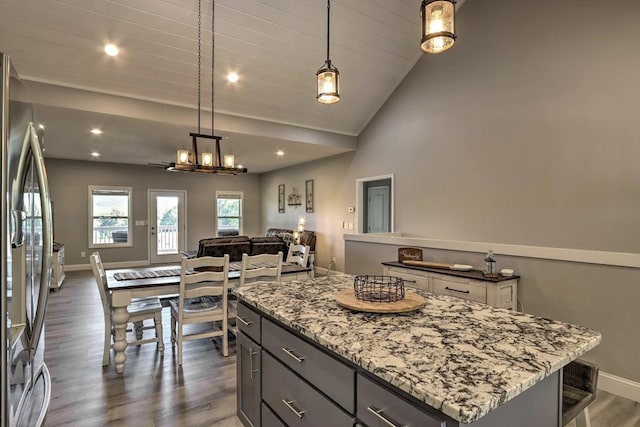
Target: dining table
160 281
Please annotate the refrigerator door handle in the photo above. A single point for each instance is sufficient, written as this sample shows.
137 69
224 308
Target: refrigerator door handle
47 238
17 234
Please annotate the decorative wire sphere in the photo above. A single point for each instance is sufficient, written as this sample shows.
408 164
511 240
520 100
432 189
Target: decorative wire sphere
378 288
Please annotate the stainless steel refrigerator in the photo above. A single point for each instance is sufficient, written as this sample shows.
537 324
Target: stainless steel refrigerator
26 252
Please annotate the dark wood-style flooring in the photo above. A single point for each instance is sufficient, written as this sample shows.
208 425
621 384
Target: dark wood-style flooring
153 391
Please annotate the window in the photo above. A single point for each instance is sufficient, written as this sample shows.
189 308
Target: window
229 213
109 216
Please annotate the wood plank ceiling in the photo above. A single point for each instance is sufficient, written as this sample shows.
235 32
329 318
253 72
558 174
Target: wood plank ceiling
275 46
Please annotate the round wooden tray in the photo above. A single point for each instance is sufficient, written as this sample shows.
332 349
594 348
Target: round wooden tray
411 302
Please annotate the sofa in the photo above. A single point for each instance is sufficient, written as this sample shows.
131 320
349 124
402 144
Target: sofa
308 237
276 240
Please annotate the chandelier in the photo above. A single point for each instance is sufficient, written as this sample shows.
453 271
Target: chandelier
207 162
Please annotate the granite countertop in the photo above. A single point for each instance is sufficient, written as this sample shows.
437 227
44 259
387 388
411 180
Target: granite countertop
460 357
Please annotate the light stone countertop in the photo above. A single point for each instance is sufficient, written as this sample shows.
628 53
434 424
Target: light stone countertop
460 357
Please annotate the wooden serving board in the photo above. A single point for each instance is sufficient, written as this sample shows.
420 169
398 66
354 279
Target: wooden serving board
427 264
411 302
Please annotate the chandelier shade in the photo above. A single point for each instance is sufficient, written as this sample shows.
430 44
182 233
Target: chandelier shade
438 25
207 162
328 75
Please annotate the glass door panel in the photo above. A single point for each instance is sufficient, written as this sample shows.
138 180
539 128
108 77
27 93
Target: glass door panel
166 225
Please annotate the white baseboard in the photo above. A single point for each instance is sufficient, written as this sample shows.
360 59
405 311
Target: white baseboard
121 264
619 386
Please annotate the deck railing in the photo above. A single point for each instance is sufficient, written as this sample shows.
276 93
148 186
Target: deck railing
167 237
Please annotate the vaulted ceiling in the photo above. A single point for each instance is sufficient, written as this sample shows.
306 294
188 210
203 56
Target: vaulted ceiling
275 46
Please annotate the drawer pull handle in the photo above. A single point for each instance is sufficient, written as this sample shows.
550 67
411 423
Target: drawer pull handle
251 370
289 404
378 413
244 322
298 359
457 290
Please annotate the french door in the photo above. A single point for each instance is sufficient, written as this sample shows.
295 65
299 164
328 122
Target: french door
167 225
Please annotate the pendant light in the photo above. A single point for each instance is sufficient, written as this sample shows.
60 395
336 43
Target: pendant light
208 162
328 75
438 18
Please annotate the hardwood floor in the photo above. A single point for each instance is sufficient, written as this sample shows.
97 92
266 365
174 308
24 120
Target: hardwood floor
153 391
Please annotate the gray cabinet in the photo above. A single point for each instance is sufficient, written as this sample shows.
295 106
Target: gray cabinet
269 419
295 401
379 407
248 322
249 369
327 374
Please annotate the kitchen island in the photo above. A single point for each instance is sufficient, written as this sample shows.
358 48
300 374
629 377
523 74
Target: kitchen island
453 361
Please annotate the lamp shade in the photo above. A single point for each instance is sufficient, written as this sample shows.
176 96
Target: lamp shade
182 157
229 161
328 84
438 25
207 159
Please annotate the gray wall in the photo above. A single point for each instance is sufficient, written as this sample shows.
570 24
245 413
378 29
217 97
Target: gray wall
525 133
332 187
69 181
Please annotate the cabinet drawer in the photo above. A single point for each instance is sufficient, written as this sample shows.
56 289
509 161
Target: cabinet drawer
269 419
296 402
470 291
379 407
329 375
421 281
248 321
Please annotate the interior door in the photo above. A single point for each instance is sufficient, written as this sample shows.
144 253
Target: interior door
167 225
377 209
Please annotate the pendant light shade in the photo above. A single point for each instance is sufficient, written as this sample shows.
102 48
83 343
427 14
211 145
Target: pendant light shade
328 75
328 84
438 25
183 157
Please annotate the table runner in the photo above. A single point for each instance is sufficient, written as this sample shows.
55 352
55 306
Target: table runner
150 274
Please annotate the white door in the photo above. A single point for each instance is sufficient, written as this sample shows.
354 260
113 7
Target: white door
167 225
378 209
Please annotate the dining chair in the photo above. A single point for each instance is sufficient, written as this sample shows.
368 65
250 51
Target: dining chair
204 284
254 269
298 254
139 310
263 266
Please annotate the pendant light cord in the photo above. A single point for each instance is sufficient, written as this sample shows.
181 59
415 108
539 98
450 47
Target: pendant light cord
199 55
213 37
328 24
213 44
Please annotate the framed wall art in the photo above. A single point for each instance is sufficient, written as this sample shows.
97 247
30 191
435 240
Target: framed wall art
308 195
281 198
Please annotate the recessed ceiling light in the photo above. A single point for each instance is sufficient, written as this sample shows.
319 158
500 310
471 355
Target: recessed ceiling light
233 77
280 153
96 131
240 166
95 154
111 49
